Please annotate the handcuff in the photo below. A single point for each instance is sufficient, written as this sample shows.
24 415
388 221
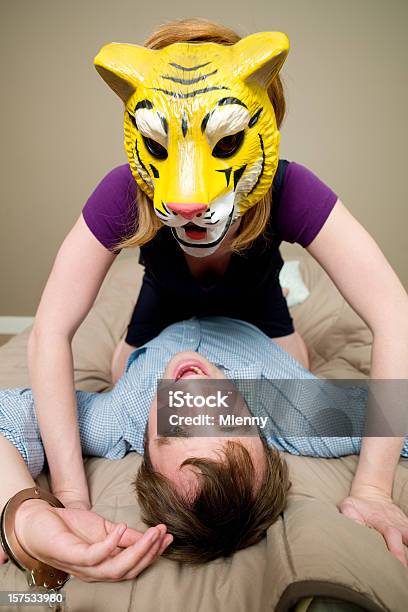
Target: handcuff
38 574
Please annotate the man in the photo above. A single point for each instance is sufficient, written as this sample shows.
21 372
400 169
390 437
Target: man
219 493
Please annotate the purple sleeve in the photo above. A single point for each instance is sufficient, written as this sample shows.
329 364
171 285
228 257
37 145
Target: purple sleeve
110 212
305 204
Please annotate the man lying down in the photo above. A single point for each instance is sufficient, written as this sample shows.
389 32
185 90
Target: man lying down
214 495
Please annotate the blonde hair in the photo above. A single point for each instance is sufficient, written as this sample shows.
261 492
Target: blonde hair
254 221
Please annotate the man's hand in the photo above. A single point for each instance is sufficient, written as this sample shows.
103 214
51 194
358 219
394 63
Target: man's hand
377 510
86 545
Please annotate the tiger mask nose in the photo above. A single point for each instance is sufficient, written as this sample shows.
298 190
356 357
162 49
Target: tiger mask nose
188 211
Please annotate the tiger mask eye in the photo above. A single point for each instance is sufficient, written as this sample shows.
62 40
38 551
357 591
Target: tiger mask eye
229 145
155 148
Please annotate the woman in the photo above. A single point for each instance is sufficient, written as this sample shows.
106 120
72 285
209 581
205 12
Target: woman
217 251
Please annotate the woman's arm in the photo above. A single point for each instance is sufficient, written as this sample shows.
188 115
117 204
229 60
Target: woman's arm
366 280
78 271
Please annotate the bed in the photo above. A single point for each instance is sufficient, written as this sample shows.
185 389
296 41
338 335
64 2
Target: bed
311 550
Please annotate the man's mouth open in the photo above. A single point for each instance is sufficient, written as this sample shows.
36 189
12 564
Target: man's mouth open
189 368
195 232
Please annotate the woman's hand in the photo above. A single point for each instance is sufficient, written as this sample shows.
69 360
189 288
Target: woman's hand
375 509
73 498
86 545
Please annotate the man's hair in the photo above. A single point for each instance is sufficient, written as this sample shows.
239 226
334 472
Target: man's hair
227 512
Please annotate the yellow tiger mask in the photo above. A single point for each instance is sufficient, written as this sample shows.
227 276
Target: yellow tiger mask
200 130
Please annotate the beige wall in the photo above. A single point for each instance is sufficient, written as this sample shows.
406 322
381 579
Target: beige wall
62 127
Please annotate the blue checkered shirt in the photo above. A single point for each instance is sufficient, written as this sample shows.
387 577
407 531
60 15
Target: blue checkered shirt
112 424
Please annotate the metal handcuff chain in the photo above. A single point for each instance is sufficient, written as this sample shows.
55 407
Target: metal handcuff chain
39 575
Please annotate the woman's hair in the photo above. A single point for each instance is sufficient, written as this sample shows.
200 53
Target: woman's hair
254 221
227 512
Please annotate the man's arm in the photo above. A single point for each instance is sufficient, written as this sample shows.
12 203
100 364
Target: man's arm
109 552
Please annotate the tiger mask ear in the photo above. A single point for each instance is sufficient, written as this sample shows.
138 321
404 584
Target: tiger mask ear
123 67
259 57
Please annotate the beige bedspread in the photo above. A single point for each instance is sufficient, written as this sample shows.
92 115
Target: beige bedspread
312 549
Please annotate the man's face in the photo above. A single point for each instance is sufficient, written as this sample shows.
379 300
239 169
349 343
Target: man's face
168 453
